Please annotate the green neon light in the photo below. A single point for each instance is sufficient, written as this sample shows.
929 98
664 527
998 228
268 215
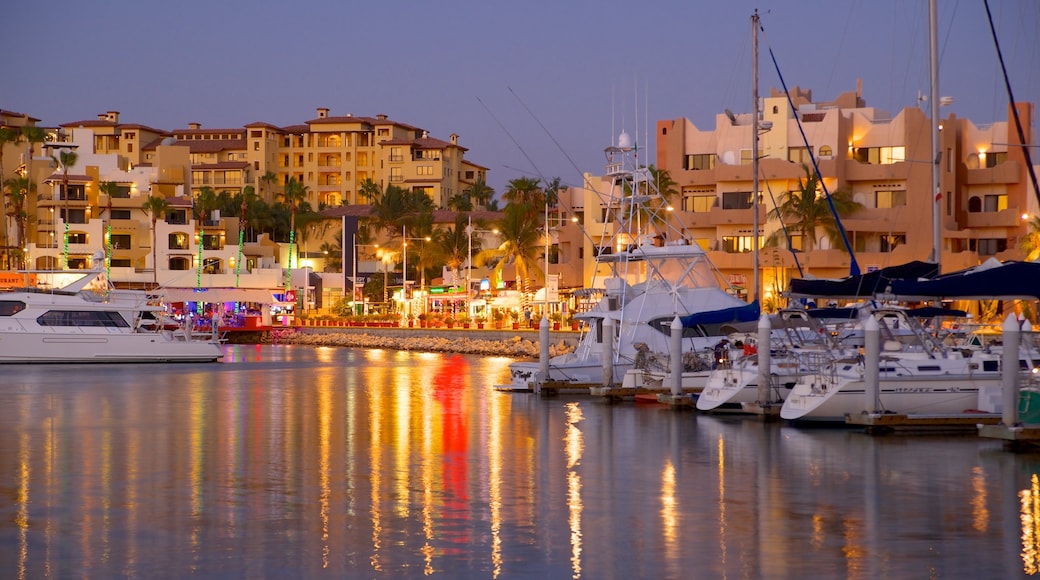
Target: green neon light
65 252
238 263
198 272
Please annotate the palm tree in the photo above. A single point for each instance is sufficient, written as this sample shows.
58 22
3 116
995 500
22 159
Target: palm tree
521 245
155 206
109 188
7 135
246 198
399 208
451 246
480 193
804 210
552 191
206 200
460 202
18 189
266 181
526 192
293 194
32 135
333 254
66 158
1030 243
369 191
664 182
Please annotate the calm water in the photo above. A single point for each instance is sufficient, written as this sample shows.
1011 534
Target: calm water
299 462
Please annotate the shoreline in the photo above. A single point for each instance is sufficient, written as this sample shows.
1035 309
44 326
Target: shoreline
494 343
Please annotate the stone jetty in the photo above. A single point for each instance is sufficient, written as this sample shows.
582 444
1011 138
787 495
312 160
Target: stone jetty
465 342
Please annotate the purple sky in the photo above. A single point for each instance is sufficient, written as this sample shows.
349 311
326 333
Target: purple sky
584 70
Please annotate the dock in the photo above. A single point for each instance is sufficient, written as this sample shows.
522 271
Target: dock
878 423
618 394
1015 438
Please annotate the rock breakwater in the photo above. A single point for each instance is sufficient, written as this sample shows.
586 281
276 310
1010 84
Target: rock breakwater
515 347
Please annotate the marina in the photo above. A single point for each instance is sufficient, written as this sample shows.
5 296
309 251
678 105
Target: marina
387 464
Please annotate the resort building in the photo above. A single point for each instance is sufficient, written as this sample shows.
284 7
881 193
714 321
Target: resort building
883 161
118 165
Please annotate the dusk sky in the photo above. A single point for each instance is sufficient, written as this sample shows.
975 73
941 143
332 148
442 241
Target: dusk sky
495 73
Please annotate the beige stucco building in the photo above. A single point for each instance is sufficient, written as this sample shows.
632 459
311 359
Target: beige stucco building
883 160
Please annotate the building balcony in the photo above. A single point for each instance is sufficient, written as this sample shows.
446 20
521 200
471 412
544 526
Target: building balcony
1008 172
722 217
857 171
1008 218
121 202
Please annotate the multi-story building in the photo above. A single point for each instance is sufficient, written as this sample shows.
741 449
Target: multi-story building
884 161
331 156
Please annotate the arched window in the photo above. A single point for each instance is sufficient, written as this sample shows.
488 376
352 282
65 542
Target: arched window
826 151
975 204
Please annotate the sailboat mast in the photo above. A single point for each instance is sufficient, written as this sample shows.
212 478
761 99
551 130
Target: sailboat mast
754 154
933 33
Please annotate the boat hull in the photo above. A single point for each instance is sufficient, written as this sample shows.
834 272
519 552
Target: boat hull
940 394
43 348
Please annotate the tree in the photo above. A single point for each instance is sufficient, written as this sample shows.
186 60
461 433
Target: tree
18 189
65 158
155 206
206 200
109 188
666 186
369 191
1030 243
398 208
804 210
552 191
333 253
266 181
521 245
293 194
460 202
526 192
32 135
480 193
7 135
245 198
451 246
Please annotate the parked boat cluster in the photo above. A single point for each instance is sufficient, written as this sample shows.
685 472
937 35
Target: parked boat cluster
516 347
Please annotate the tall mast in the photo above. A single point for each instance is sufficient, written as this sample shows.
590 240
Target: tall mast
933 29
754 153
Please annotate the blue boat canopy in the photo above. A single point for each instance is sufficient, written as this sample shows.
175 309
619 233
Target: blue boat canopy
693 322
986 281
864 285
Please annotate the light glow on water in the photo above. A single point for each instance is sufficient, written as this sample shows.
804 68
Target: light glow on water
303 461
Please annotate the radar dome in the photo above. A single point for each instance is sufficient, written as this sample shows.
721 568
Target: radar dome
624 140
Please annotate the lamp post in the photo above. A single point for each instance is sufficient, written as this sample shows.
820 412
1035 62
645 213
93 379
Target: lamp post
469 262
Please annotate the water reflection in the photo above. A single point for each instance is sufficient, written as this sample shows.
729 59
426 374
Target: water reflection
292 460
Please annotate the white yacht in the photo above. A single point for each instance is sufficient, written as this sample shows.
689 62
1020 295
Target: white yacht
76 325
917 374
647 274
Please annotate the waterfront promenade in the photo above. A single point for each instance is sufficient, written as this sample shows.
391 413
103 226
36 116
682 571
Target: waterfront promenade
520 343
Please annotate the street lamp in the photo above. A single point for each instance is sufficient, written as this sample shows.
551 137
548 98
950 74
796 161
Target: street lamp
469 262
